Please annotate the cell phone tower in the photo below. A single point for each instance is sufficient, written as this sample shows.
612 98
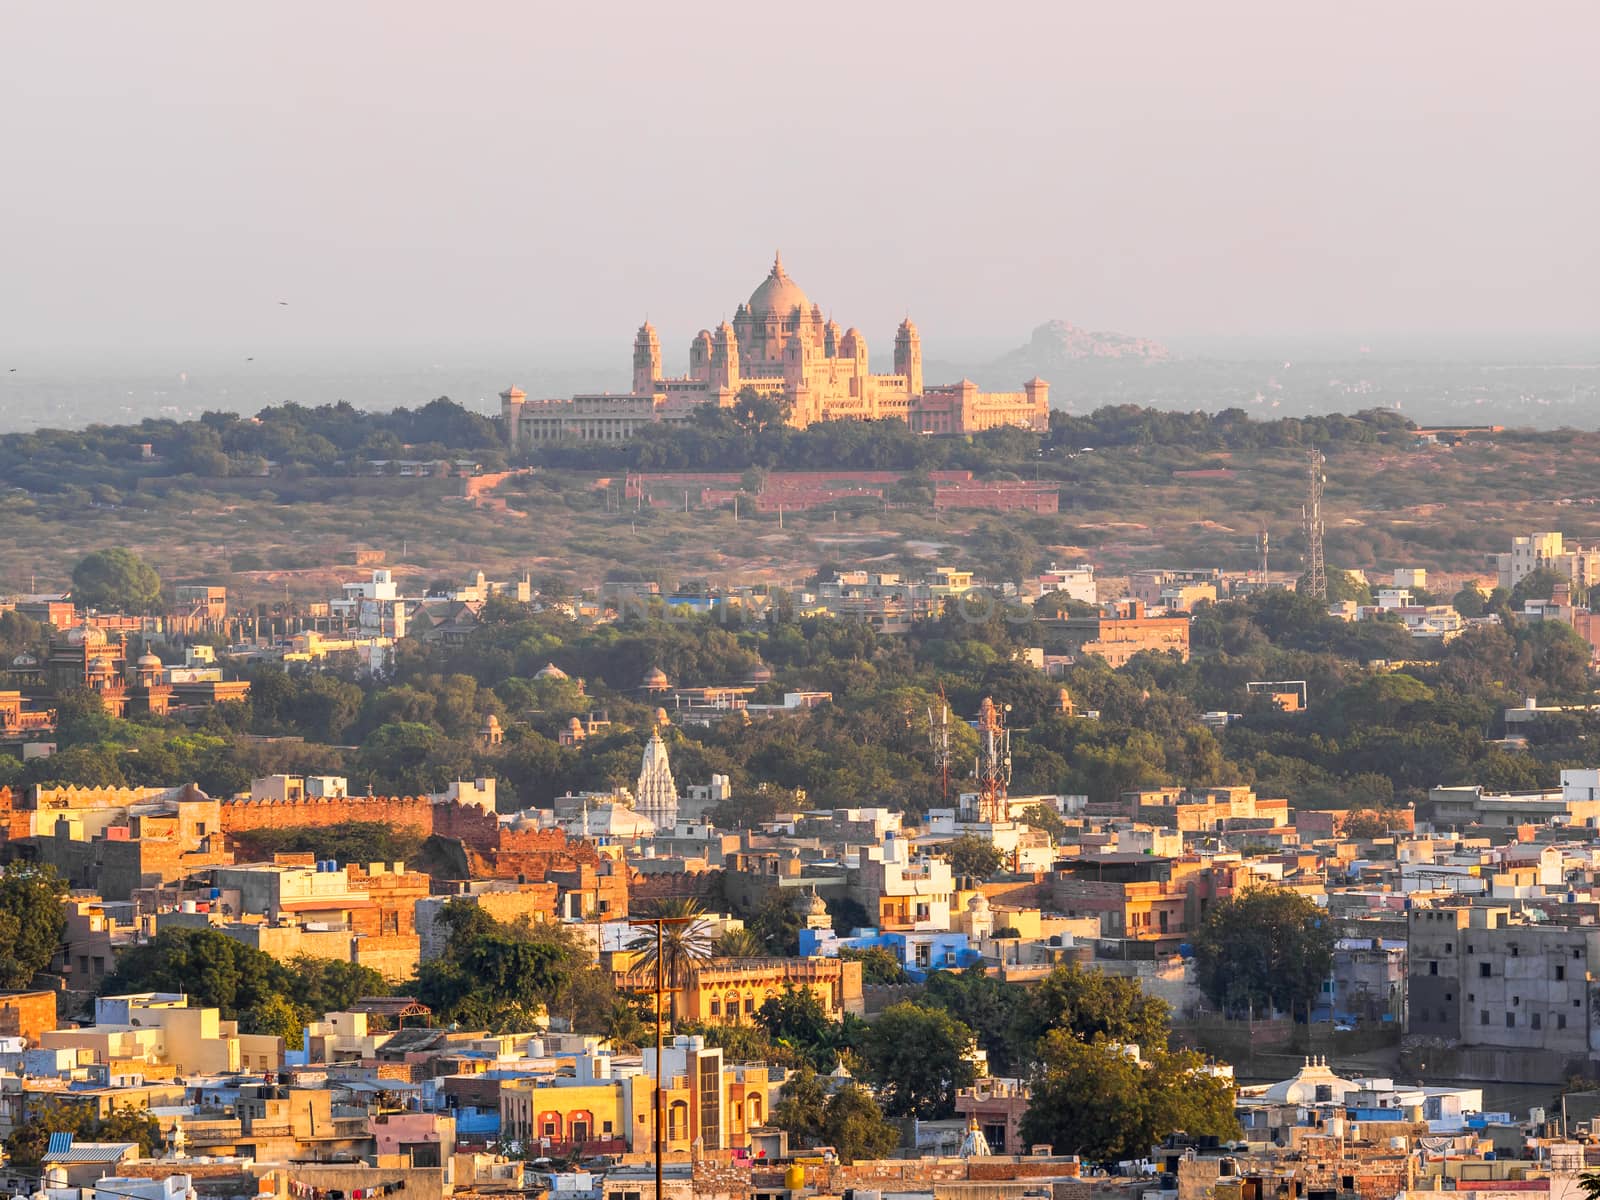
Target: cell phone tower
1262 544
939 740
1316 569
993 768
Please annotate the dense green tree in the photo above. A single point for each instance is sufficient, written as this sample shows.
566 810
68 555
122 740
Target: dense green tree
410 759
795 1020
738 943
756 412
1555 661
849 1120
84 765
1096 1099
115 579
1469 602
19 634
1382 700
215 970
31 921
278 1016
878 964
1538 584
991 1009
777 923
1263 949
1090 1004
1341 586
351 842
918 1057
802 1105
212 968
1365 824
1042 817
26 1144
324 985
506 977
974 857
854 1125
1061 604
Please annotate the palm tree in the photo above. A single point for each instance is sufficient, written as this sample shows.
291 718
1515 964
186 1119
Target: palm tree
739 943
683 941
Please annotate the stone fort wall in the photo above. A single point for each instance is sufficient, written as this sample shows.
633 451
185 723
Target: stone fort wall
470 825
414 813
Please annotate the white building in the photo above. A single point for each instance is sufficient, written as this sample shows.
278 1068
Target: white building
1077 582
907 892
283 789
476 792
372 608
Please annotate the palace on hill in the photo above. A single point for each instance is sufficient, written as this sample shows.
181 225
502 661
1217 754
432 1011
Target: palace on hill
780 345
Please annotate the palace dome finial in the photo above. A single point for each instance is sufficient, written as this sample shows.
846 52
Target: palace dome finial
778 295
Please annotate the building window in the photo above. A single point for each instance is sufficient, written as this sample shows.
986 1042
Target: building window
1533 1019
1561 971
1511 1020
1483 970
1483 1017
1449 948
1433 968
716 1008
1561 1020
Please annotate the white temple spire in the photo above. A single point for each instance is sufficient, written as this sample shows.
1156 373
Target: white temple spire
657 795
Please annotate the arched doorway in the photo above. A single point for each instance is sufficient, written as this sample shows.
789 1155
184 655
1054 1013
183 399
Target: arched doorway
580 1127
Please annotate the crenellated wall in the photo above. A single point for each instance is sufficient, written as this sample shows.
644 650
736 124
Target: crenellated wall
414 813
466 823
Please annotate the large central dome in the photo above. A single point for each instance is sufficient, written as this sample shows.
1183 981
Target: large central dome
778 295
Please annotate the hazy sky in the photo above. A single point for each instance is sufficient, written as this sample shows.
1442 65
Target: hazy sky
539 173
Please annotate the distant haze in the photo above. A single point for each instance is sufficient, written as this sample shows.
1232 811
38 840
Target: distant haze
535 179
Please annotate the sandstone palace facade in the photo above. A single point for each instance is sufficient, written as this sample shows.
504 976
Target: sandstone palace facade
780 345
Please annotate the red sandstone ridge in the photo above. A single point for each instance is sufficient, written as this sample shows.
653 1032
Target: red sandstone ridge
1059 344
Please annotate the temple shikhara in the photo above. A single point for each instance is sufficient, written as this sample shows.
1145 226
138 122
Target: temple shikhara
780 345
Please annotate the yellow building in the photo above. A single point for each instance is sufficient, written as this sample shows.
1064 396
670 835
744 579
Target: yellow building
730 991
564 1111
607 1107
779 345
